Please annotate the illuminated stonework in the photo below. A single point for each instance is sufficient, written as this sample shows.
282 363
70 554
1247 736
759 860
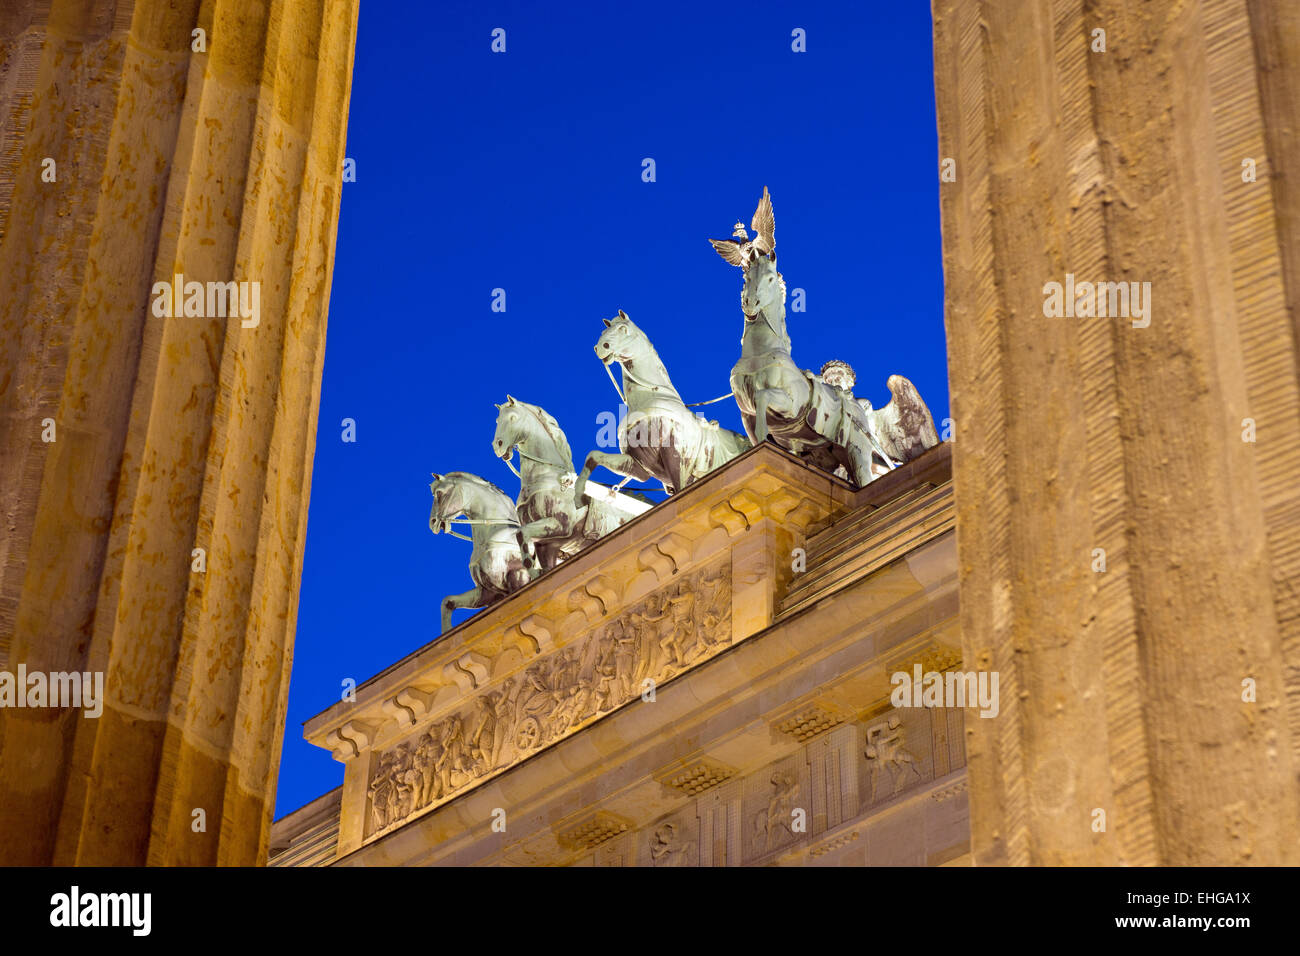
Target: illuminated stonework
653 702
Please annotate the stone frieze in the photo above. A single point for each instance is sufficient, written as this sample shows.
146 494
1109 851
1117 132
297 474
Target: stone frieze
667 632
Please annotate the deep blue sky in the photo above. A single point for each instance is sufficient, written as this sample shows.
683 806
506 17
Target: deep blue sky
522 171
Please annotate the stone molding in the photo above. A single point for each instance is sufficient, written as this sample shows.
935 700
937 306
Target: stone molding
573 645
667 632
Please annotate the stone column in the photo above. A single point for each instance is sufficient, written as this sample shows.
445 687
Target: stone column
1086 439
158 538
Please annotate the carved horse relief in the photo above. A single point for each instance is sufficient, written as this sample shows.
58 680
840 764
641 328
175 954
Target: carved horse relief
497 564
801 411
553 523
660 438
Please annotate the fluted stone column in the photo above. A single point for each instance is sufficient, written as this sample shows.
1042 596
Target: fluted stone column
171 434
1081 440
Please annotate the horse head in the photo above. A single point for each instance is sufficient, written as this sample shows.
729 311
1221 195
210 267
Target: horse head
510 428
764 291
448 501
621 341
533 431
464 494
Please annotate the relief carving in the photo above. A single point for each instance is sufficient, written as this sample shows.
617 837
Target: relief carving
775 825
885 750
662 635
668 847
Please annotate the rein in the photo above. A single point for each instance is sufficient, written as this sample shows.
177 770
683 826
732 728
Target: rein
501 522
610 373
710 401
446 522
506 523
556 443
653 388
510 462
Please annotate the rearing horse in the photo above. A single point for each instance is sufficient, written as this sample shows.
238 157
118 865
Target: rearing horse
804 414
553 523
661 438
497 564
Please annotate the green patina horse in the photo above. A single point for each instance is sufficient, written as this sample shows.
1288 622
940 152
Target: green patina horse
661 437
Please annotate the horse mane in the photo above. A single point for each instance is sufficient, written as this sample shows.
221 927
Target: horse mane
552 429
478 480
783 331
651 356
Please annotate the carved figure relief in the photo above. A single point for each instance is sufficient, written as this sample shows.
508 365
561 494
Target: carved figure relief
885 750
805 796
668 847
663 634
774 825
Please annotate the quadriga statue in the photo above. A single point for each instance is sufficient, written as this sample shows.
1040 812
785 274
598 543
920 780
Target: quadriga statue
661 437
497 564
554 523
803 412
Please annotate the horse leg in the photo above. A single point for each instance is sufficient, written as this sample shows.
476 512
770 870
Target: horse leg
624 465
860 464
673 457
575 528
518 577
540 530
764 398
751 431
528 554
506 571
760 416
471 598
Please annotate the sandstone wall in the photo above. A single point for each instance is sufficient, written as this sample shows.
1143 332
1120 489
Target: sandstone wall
171 434
1123 689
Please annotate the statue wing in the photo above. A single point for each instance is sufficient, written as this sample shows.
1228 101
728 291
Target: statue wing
731 250
764 222
905 426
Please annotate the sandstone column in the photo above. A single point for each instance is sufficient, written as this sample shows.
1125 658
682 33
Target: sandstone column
1122 690
216 155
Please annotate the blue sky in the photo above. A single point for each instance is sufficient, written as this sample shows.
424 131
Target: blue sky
523 171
